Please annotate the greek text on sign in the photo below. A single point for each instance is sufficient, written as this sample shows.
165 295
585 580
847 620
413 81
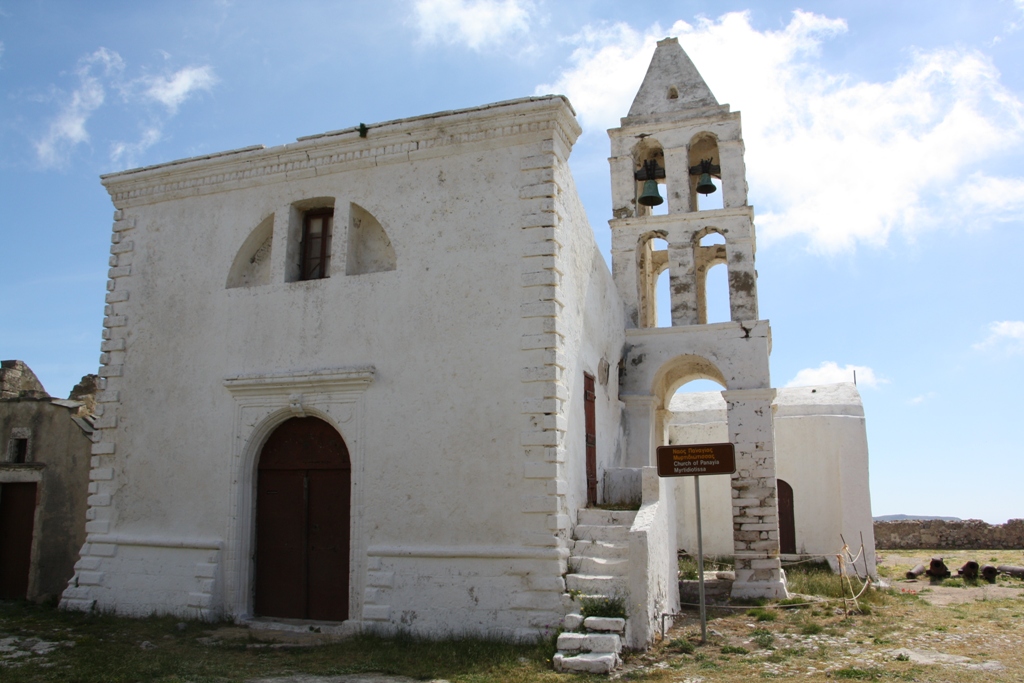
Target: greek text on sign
696 460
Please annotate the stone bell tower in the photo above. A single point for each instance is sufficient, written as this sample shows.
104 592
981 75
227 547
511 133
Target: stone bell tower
679 141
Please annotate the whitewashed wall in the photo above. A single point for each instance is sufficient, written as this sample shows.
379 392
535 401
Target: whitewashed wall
452 378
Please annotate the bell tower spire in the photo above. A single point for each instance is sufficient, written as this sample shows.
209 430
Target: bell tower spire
672 84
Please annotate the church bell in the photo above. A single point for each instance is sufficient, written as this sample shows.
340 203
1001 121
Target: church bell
704 170
647 173
650 196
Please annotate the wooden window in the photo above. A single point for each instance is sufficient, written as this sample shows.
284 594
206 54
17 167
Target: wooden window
316 244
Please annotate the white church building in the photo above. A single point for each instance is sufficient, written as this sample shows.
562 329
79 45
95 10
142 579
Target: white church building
383 378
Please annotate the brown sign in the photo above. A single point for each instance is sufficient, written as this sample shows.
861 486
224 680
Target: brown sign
696 460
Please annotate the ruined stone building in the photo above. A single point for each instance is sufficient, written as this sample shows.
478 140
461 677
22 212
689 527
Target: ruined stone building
382 377
44 472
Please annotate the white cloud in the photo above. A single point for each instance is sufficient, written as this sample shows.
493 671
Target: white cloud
1008 334
172 90
830 157
830 373
97 73
475 23
610 62
127 153
68 128
918 400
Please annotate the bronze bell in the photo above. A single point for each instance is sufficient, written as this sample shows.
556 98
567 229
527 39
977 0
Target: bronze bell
704 184
650 196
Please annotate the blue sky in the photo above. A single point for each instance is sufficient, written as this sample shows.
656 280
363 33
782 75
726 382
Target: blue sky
884 154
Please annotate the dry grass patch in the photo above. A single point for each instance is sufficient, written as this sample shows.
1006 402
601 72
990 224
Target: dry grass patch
965 643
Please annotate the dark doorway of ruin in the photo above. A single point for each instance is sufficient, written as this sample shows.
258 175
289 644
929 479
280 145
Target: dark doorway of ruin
17 520
787 522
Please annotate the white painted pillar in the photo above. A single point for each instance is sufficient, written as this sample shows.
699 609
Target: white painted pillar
640 422
734 173
754 495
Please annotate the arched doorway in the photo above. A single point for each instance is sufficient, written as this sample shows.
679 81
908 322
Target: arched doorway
787 522
303 511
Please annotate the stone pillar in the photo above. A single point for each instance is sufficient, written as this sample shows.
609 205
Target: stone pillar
662 418
625 273
734 173
283 251
742 279
640 423
682 283
677 178
755 516
623 187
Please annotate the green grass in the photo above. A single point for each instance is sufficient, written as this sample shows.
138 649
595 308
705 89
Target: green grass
762 614
108 649
853 673
688 566
763 637
811 629
815 578
601 606
681 645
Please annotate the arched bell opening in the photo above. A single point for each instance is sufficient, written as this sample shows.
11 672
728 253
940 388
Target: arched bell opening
654 295
712 277
650 176
705 173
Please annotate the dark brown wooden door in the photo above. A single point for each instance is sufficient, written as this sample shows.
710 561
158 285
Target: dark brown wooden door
787 523
303 511
17 519
590 421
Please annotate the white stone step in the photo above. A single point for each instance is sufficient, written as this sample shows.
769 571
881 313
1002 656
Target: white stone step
588 662
601 532
616 551
605 624
590 584
589 642
603 566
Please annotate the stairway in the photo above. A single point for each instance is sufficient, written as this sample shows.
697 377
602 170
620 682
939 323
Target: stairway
599 567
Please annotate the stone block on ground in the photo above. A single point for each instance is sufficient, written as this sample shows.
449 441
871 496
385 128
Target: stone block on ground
588 662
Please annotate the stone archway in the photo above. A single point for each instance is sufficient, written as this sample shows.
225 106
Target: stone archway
303 515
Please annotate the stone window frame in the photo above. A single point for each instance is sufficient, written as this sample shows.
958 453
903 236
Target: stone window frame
19 434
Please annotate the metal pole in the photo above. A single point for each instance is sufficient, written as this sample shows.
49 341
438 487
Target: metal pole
700 567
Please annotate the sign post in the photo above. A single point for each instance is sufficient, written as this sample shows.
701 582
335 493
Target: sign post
695 461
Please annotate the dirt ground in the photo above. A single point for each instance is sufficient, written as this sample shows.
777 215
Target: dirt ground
892 565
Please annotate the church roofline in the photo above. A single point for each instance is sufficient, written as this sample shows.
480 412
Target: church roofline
388 141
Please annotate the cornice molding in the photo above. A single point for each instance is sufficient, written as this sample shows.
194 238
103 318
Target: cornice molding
400 141
668 219
355 378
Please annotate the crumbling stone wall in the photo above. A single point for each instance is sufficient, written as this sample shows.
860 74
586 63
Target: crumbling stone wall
971 534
